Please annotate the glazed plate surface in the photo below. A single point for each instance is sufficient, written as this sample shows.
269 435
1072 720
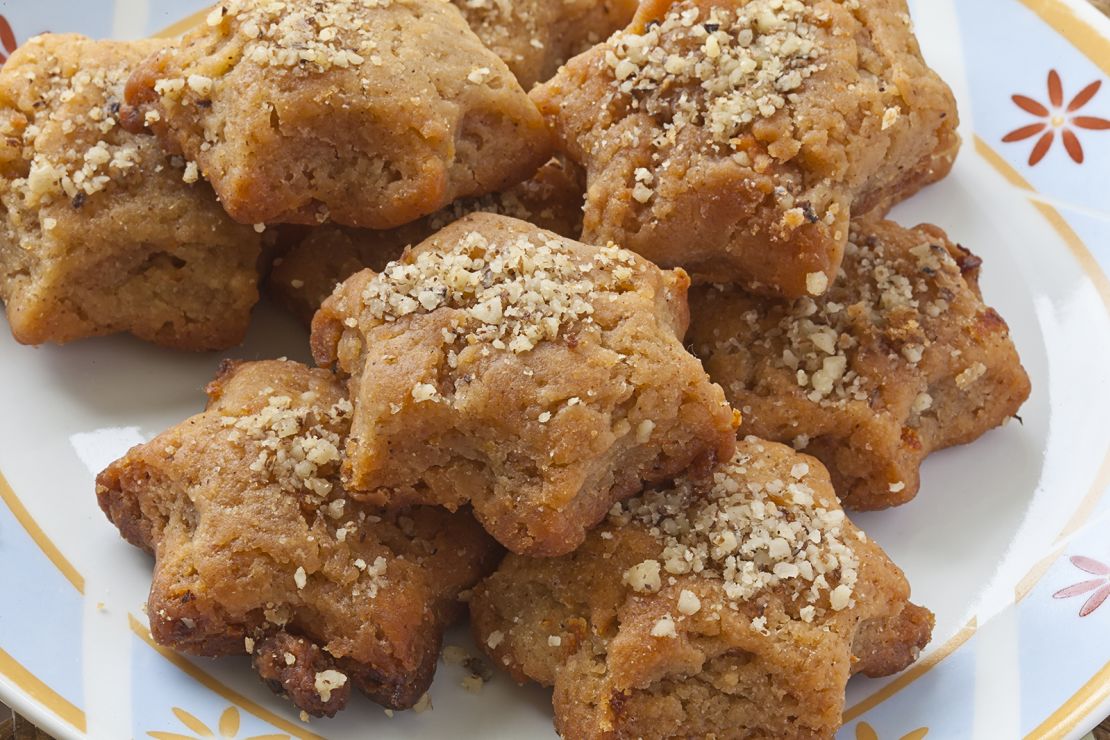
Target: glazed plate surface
1008 542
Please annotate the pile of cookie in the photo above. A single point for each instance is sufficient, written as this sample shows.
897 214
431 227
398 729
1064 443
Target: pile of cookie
605 286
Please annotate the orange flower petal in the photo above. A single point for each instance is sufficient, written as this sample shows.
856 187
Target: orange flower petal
1024 132
1084 96
1090 122
1029 105
1071 143
1055 89
1041 148
7 36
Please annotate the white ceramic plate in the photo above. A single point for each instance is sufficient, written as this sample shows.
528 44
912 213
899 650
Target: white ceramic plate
1007 541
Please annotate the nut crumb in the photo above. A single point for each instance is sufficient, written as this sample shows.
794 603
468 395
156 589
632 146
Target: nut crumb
664 628
817 283
688 603
327 682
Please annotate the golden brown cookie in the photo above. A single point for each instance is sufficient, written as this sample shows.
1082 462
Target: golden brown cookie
538 378
308 271
102 231
734 609
899 358
535 37
736 138
367 114
258 549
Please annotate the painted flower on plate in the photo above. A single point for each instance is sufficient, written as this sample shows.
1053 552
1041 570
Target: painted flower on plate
865 731
1098 587
228 728
7 40
1057 119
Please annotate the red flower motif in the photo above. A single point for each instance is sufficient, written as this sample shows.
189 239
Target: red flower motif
1058 119
7 40
1100 585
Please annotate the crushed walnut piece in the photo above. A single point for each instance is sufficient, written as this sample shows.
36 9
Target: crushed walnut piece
297 447
719 70
818 331
514 295
300 36
327 682
752 536
741 64
100 152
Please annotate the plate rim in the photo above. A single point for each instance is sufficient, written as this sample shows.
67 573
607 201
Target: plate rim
1076 21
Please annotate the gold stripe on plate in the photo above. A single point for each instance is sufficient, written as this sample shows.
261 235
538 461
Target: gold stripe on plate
1079 707
1093 44
1084 37
183 25
212 684
1087 506
1086 260
1035 574
914 672
37 690
35 531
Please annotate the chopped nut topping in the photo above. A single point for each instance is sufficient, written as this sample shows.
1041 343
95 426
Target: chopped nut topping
752 536
327 682
295 448
890 117
300 37
664 628
922 403
819 333
192 174
688 603
644 577
817 283
720 70
513 295
965 379
99 152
